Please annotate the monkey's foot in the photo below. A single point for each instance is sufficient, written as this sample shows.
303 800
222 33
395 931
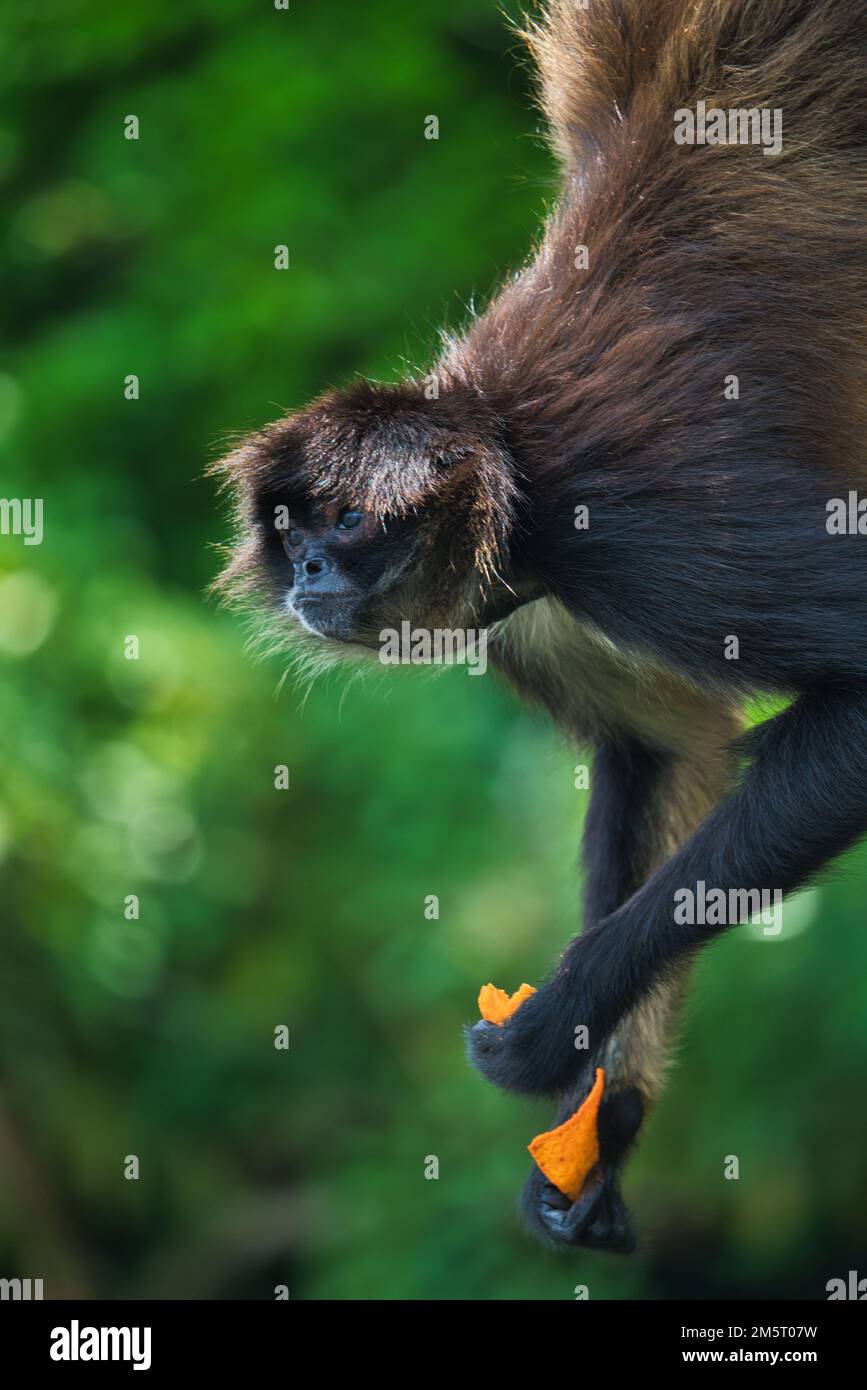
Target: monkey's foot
585 1207
598 1219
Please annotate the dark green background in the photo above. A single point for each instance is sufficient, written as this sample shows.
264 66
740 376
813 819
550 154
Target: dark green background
306 907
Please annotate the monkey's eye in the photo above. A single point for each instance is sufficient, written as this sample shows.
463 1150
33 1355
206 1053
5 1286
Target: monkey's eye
350 520
291 538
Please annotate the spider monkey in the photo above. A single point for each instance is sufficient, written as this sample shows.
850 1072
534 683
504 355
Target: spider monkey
681 365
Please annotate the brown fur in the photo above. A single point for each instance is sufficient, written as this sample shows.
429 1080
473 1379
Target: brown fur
604 386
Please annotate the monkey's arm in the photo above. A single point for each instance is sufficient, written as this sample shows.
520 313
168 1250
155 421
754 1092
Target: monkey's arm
801 802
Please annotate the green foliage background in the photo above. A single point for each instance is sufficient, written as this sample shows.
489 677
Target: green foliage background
259 907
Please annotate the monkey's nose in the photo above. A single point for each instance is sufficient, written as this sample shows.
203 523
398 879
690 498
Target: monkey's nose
312 569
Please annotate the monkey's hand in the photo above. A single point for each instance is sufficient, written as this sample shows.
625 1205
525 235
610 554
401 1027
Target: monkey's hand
598 1218
539 1050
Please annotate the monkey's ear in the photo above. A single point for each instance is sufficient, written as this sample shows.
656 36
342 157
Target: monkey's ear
474 484
472 458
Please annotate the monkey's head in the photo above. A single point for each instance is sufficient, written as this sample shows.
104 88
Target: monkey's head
371 507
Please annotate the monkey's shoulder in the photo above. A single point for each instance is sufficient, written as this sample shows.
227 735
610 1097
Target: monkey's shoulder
592 685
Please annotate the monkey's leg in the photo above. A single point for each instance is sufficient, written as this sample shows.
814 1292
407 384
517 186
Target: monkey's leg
643 804
634 1061
801 801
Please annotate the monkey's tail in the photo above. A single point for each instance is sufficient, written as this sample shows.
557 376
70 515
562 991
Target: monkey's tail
597 60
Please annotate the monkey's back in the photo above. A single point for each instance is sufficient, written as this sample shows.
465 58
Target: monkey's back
691 246
687 351
595 63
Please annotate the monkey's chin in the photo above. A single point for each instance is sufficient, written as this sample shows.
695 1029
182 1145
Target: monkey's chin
320 617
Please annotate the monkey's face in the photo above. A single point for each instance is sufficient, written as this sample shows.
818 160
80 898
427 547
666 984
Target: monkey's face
370 508
331 568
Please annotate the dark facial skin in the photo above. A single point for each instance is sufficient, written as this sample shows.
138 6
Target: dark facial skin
327 558
327 563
